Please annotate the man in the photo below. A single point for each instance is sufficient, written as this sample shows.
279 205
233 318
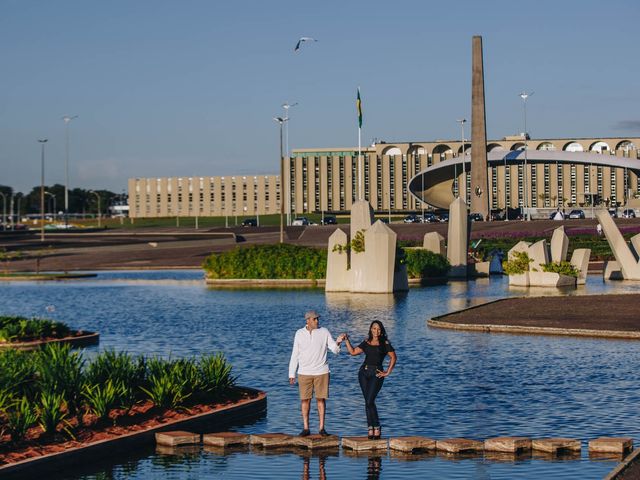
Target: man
309 358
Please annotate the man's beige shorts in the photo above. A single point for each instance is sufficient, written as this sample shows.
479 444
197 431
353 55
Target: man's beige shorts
308 384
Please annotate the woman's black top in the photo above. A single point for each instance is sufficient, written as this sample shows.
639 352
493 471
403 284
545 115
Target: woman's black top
374 354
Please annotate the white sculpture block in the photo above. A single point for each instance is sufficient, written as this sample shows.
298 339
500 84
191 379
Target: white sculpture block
550 279
338 277
559 245
539 253
612 271
635 246
361 217
458 238
580 260
434 242
377 274
521 246
628 264
519 280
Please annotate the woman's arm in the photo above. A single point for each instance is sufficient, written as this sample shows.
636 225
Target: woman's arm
352 351
392 363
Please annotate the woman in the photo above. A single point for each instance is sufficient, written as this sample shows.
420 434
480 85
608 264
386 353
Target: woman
372 374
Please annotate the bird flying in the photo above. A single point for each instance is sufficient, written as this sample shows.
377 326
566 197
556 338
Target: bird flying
302 40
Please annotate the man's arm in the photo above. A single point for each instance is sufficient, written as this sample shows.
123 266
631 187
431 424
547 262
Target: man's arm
332 345
293 362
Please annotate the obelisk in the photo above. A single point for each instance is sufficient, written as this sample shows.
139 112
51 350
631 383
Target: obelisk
479 184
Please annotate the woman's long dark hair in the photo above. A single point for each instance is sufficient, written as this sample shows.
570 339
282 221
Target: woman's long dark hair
383 332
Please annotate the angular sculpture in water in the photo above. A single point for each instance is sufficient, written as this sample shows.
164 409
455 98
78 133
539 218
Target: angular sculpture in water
458 238
365 262
628 263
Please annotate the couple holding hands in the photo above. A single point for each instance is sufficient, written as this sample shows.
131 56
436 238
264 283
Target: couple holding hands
309 359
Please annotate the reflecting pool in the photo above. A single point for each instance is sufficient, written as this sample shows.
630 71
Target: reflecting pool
446 383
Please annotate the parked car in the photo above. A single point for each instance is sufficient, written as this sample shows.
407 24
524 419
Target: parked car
613 212
444 217
476 217
411 219
576 214
250 222
429 218
628 213
329 220
300 221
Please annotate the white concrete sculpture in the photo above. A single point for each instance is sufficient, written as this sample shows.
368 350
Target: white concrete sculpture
521 246
539 253
580 260
338 278
458 238
635 246
367 266
611 271
434 242
629 266
559 245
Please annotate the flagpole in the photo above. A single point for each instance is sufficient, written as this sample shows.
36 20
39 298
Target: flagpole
360 165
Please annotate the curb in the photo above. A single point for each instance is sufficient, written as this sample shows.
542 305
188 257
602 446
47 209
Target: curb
624 466
89 338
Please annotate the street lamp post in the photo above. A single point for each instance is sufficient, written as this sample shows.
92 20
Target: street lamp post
462 121
42 141
506 201
524 96
67 119
4 211
99 214
53 198
281 121
286 106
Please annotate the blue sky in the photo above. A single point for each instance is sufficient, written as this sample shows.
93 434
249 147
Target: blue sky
190 88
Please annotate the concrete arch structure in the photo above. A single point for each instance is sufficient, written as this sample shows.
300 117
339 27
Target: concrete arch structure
599 146
626 146
392 150
573 147
517 146
438 179
548 146
495 147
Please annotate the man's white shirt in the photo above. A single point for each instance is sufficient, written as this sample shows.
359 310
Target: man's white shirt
309 354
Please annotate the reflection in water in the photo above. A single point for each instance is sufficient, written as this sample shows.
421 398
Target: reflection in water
374 467
362 301
306 469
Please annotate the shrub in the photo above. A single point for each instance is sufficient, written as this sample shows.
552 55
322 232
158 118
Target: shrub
60 371
121 369
102 398
51 412
425 264
215 374
518 265
17 373
267 261
20 417
563 268
166 390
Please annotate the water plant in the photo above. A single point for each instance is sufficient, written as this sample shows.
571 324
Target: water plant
60 370
519 264
215 374
563 268
16 328
102 398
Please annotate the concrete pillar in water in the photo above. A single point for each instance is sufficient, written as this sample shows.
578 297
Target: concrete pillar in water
479 183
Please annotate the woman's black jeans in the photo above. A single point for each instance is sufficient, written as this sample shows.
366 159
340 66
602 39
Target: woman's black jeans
370 385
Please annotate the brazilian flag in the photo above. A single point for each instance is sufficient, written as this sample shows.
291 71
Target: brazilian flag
359 108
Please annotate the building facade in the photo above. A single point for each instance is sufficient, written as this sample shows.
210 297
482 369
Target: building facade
204 196
325 180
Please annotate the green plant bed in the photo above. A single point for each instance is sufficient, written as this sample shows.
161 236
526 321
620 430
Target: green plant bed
281 261
424 264
21 329
56 394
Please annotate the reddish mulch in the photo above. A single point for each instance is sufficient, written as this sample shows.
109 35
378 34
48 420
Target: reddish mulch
592 312
141 417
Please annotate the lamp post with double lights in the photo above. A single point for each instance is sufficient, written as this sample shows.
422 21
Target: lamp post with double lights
524 96
286 106
67 119
42 141
281 121
462 121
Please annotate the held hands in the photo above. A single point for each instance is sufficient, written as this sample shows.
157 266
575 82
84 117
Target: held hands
342 337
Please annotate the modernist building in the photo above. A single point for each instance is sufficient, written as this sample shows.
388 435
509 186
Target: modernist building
602 169
204 196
